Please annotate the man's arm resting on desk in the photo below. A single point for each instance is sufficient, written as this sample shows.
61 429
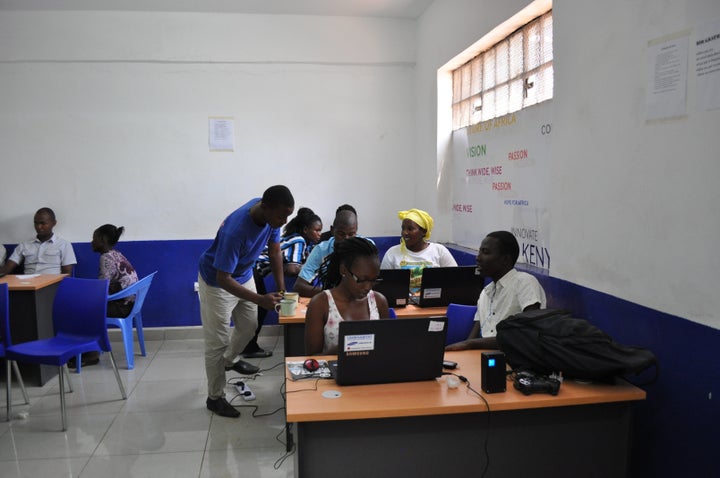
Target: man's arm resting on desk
474 341
8 267
306 289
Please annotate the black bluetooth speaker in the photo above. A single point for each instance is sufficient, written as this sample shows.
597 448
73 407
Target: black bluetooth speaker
493 372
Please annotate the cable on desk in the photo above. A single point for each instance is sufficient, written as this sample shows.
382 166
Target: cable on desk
306 389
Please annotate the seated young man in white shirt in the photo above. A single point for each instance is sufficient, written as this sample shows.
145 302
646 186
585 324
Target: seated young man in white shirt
46 253
510 292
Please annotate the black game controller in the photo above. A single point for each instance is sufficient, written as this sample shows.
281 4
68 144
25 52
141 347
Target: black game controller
529 382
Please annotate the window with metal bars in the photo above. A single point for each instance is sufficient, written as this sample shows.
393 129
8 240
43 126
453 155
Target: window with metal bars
515 73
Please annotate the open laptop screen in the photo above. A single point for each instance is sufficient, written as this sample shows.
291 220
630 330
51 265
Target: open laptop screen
450 285
395 286
386 351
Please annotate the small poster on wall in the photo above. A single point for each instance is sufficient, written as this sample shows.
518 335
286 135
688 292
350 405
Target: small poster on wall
667 77
221 134
707 65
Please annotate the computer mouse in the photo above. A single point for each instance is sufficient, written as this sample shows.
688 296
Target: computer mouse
311 365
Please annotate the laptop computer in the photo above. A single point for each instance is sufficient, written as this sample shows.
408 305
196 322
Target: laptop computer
395 286
388 351
445 285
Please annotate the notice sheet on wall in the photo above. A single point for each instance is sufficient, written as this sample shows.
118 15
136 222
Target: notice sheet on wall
707 65
221 134
667 78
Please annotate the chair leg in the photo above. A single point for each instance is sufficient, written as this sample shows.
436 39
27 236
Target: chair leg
67 375
78 361
61 377
20 381
141 337
8 382
127 333
117 375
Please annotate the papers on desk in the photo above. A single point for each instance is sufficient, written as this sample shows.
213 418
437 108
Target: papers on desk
298 372
26 276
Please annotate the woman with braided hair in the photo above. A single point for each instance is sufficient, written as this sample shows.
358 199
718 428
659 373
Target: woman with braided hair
348 276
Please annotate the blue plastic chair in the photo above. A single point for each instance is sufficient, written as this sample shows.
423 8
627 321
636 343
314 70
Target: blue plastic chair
139 290
6 342
460 322
391 313
79 311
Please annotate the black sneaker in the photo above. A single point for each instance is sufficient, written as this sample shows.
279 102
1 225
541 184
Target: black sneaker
221 407
259 353
243 368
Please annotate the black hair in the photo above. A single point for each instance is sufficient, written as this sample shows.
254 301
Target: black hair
278 196
345 253
110 233
345 207
305 217
508 244
46 210
345 218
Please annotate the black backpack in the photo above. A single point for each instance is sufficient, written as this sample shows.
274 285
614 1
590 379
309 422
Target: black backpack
550 340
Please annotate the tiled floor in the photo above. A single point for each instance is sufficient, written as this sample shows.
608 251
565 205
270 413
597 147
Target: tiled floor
162 429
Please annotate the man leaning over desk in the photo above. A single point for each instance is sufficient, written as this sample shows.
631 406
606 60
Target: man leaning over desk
510 292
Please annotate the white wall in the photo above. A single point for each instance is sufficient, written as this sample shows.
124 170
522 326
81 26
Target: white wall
104 118
633 205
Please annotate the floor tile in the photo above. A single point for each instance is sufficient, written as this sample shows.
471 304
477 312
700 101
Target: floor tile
176 465
41 436
48 467
247 463
157 432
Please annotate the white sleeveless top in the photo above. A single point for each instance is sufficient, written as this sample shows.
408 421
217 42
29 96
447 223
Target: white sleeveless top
330 344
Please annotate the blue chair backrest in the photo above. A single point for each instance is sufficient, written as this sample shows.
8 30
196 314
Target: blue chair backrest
139 290
460 322
4 317
80 308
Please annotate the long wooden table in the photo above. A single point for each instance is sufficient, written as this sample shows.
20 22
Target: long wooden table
31 301
428 429
294 326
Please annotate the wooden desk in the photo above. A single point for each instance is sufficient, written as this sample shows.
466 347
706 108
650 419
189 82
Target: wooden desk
426 429
31 302
294 326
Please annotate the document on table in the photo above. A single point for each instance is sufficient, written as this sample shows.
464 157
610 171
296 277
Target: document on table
26 276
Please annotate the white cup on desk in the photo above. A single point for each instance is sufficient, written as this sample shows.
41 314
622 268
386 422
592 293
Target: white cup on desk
286 307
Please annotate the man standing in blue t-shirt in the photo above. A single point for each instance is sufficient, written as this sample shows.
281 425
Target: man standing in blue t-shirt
227 288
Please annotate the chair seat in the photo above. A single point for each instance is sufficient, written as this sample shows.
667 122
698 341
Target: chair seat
53 351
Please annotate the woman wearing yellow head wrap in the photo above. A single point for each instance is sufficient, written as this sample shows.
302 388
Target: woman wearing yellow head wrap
415 252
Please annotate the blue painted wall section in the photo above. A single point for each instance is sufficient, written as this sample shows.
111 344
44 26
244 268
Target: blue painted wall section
673 428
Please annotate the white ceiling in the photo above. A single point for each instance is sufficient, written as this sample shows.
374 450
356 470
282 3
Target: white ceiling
411 9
